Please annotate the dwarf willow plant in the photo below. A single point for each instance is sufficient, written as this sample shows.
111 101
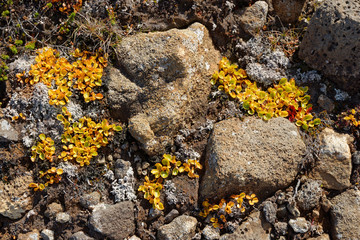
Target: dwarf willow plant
83 74
350 118
223 209
81 142
169 166
82 139
283 100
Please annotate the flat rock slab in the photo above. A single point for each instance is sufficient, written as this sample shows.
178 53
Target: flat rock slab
114 221
252 156
331 43
345 215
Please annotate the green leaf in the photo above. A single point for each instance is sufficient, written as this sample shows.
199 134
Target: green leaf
282 81
317 121
175 172
117 128
42 156
164 174
305 126
42 137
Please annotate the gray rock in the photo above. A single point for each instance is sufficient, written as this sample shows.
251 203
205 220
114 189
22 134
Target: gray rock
90 200
326 103
299 225
62 217
121 168
210 233
281 228
345 215
7 132
269 210
254 17
309 195
182 227
171 215
251 155
47 234
113 221
254 228
80 236
282 211
182 192
53 209
331 44
356 157
167 82
334 167
289 10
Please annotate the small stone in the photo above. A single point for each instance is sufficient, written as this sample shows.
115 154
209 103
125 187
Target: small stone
321 237
113 221
300 225
63 217
154 213
182 227
309 195
171 215
326 103
356 157
33 235
210 233
315 214
101 160
89 200
254 17
291 207
281 228
325 204
80 236
121 168
110 158
47 234
281 198
134 238
281 211
7 132
53 209
269 210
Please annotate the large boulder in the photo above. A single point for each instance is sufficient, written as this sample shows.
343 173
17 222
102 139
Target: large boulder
164 82
252 156
331 43
345 215
334 165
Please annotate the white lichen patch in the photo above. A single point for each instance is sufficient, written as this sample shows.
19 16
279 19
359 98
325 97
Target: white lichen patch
123 189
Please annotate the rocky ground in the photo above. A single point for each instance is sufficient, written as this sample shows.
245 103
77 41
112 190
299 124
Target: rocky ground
156 86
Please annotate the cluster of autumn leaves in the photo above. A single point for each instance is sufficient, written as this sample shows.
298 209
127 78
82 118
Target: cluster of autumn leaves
224 208
283 100
81 141
83 74
169 166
